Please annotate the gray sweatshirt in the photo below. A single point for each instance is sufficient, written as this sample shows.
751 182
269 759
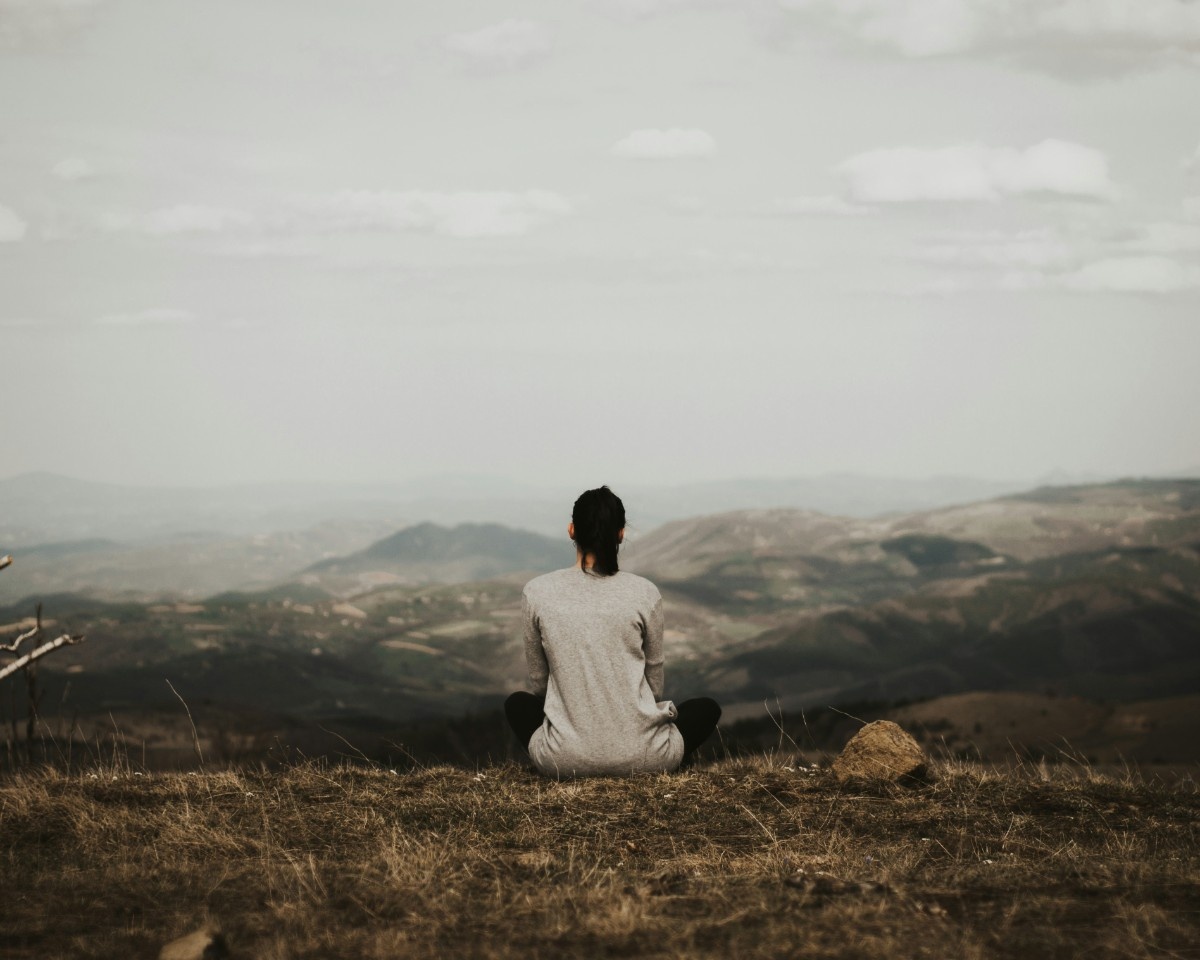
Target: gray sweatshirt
594 648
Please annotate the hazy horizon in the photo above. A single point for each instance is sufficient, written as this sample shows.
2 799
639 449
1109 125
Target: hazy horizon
628 241
456 483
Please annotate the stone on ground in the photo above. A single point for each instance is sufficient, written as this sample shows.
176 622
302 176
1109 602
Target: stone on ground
203 944
881 751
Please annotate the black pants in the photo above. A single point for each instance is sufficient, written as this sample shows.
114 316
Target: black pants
697 718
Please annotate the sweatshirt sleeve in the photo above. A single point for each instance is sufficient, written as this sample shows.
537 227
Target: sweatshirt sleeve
652 647
535 655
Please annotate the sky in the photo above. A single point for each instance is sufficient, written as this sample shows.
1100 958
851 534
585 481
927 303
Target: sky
651 241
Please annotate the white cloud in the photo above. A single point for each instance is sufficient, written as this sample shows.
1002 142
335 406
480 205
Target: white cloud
463 214
976 172
931 28
20 322
12 227
1150 258
283 231
1164 237
181 218
1149 274
1191 208
73 168
669 144
1193 162
153 315
38 23
506 45
827 206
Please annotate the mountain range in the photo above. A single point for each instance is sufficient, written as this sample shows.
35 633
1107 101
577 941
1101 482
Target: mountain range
1090 591
44 507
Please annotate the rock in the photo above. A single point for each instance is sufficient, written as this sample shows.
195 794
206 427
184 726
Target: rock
881 751
203 944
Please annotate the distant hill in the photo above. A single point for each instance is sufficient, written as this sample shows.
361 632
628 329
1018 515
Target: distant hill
430 553
1057 520
47 507
183 566
1041 523
840 494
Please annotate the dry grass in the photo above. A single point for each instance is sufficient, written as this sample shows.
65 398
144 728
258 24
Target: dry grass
329 862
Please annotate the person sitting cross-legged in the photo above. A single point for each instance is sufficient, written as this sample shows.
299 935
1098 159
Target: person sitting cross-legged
594 646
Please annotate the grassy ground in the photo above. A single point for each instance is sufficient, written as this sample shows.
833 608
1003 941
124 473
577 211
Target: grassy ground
719 861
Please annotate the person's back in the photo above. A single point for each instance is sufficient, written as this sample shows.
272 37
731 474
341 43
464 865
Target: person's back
601 638
593 643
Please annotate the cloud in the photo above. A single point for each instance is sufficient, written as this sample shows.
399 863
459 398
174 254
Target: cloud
1151 274
1191 208
73 168
671 144
283 230
464 214
1164 237
181 218
824 206
1193 162
12 227
507 45
153 315
977 172
20 322
1149 258
1095 29
42 23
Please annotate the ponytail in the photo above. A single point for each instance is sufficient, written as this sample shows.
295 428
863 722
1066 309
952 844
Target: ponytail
599 518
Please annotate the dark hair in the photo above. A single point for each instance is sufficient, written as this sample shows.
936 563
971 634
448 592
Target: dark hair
599 518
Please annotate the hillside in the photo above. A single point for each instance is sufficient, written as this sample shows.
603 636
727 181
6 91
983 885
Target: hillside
391 655
1091 590
790 608
749 858
1123 624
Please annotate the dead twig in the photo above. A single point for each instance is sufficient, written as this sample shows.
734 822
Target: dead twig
850 715
65 640
195 735
20 662
28 634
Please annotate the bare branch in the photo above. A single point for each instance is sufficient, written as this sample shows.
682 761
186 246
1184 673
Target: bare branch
65 640
27 635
